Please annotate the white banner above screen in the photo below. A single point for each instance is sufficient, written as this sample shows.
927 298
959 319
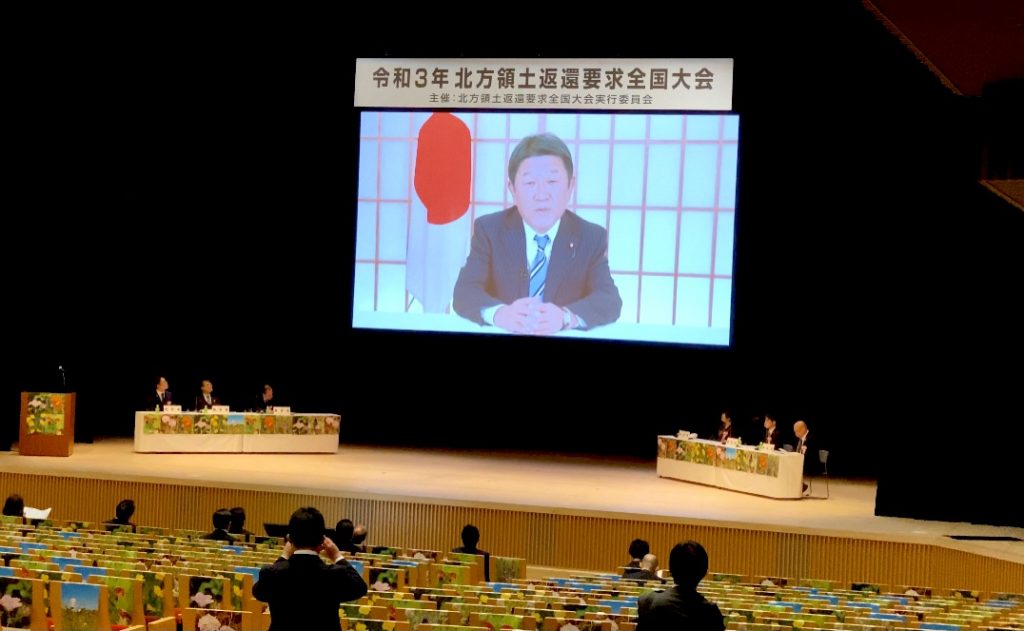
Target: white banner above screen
571 84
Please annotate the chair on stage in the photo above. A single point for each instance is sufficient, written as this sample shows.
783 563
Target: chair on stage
823 459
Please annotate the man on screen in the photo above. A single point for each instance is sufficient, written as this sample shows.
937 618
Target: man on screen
534 268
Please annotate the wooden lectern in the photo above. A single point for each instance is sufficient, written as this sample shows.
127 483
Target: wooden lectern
47 424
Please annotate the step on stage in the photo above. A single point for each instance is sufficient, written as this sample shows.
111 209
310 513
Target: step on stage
556 511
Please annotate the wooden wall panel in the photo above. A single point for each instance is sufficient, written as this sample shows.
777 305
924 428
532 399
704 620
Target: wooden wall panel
554 538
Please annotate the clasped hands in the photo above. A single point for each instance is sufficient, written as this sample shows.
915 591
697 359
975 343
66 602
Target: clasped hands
530 316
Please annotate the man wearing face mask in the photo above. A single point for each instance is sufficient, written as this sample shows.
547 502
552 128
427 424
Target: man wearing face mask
535 268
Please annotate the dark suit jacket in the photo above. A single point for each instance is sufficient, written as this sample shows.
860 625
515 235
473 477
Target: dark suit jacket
201 401
578 277
675 609
638 574
260 405
154 402
218 535
486 555
115 523
726 433
812 462
305 593
774 436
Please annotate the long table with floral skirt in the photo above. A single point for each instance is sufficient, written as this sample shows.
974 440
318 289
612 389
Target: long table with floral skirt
225 432
777 474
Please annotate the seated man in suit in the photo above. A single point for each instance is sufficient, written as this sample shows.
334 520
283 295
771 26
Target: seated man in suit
638 549
221 523
359 534
772 434
303 591
343 532
806 447
471 537
206 398
648 570
237 527
123 515
535 268
681 606
265 400
161 397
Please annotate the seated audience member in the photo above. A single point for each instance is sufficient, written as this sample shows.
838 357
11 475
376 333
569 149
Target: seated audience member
14 506
123 515
343 532
302 590
638 549
681 606
206 398
726 429
648 570
221 523
470 538
265 400
359 537
160 397
237 526
772 434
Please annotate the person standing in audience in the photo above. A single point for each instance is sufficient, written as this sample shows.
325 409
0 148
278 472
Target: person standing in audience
206 398
681 606
160 397
302 590
265 400
123 515
14 506
221 523
470 539
648 570
638 549
772 434
726 429
237 526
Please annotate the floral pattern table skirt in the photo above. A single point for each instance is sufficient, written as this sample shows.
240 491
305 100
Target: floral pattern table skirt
236 432
770 473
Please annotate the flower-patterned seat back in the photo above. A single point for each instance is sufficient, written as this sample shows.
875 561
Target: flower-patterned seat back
193 619
203 592
124 599
18 600
366 624
504 569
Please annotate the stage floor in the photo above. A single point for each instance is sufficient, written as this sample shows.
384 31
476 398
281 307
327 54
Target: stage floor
584 485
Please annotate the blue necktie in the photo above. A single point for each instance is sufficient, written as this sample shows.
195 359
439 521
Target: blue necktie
539 267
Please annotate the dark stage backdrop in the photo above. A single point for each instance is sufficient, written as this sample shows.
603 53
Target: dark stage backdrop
186 207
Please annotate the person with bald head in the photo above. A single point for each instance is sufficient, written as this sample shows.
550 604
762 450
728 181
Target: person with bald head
648 570
806 446
803 437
